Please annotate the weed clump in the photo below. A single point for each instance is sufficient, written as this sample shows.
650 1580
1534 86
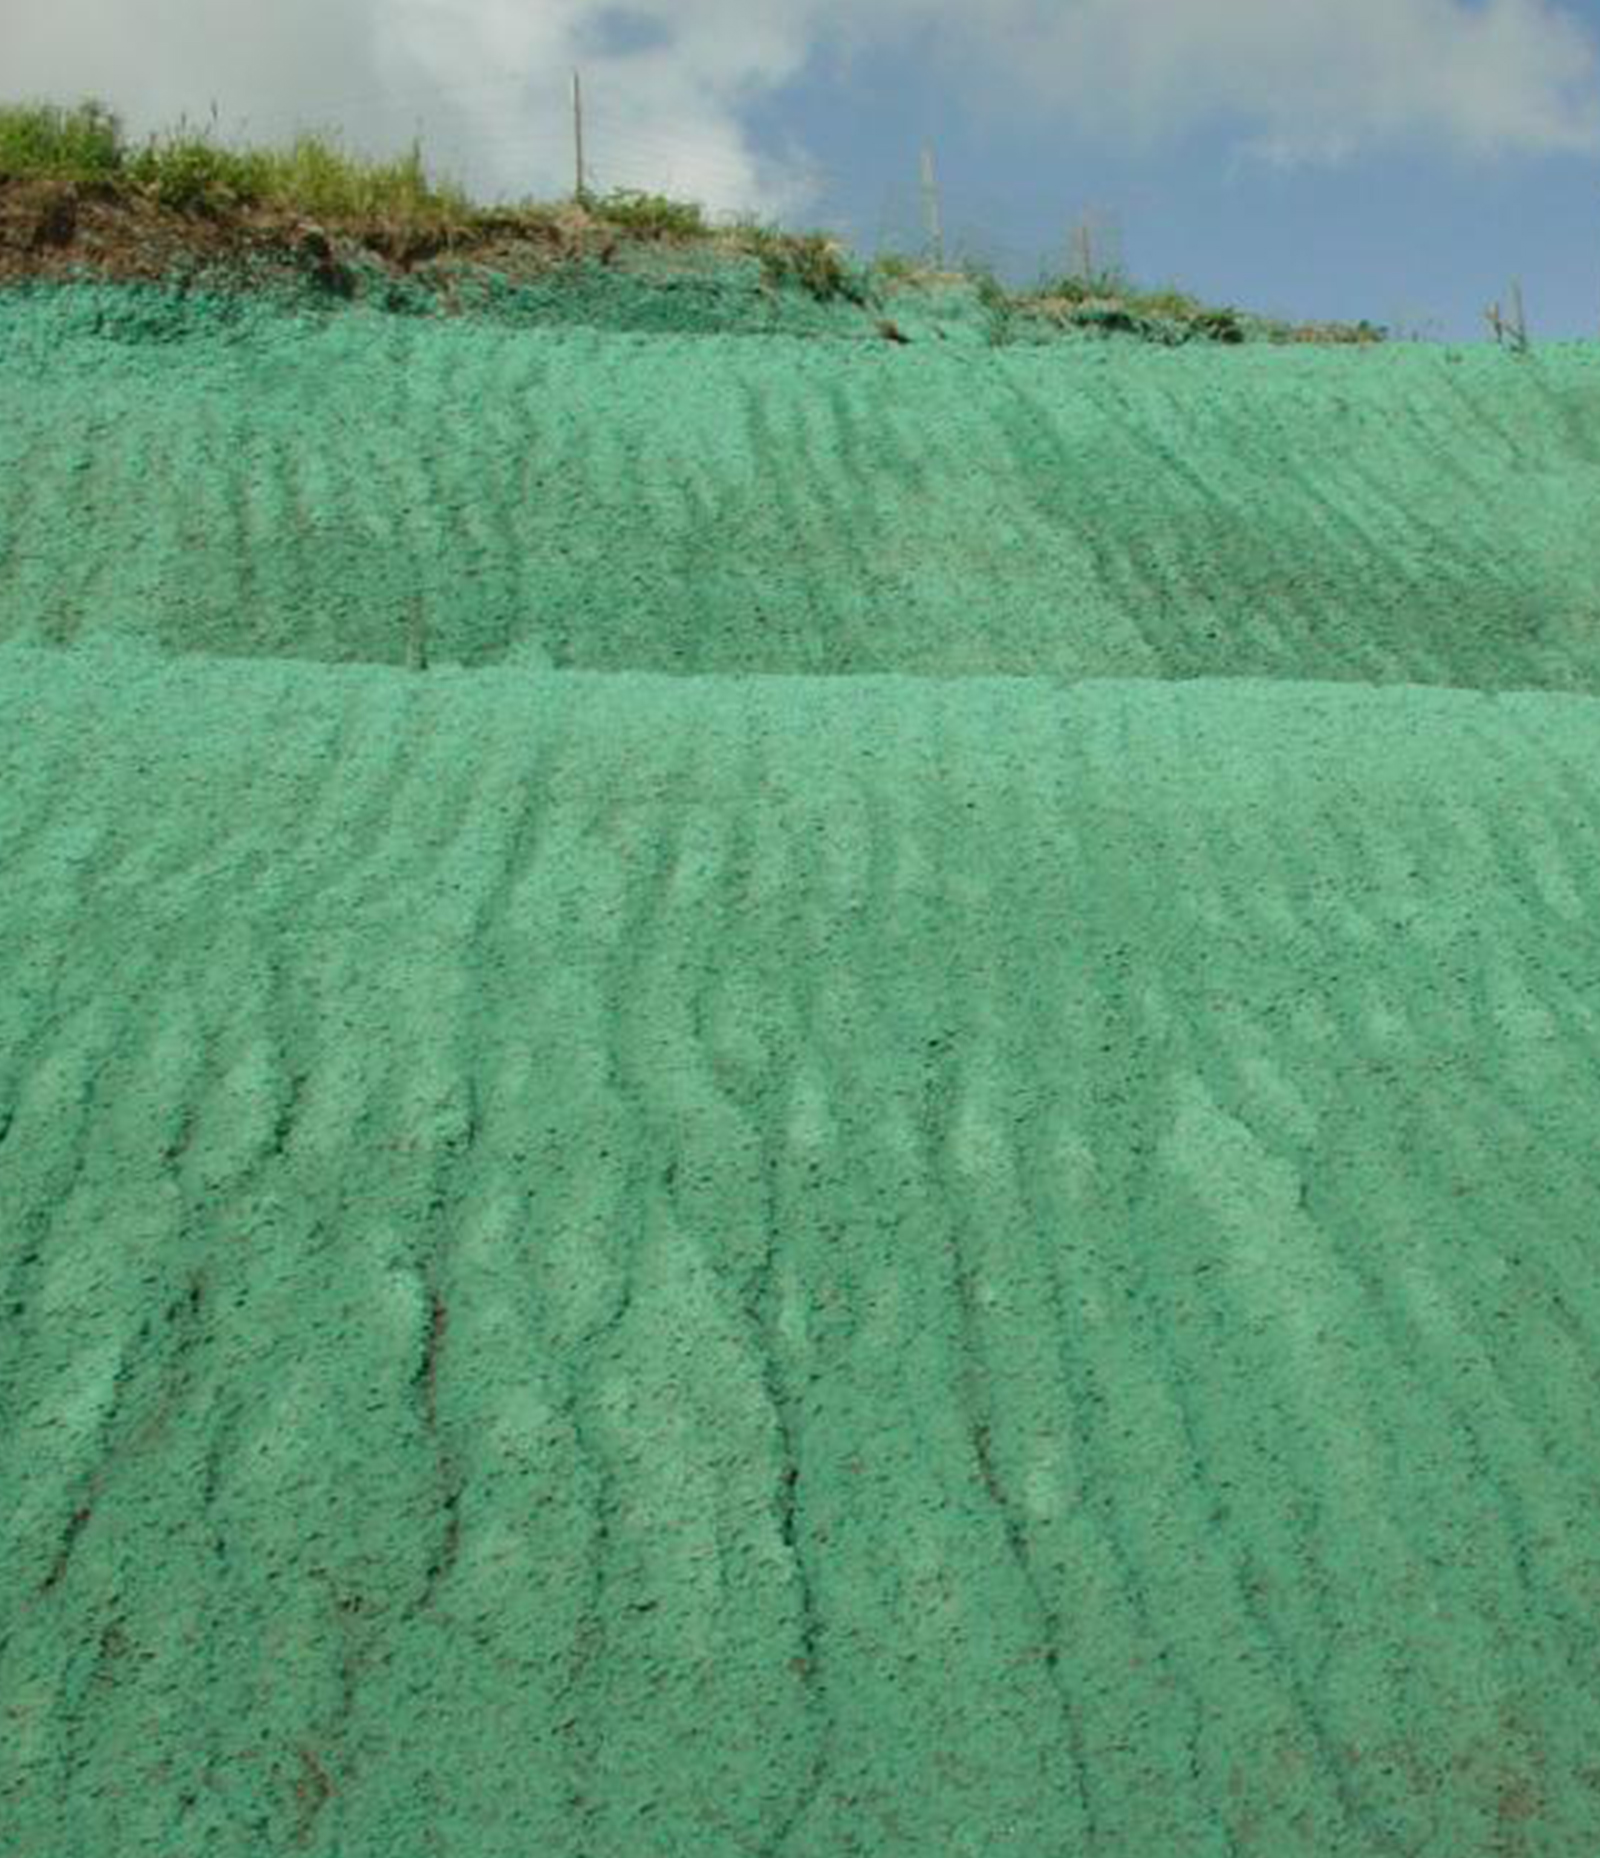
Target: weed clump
647 215
45 141
815 261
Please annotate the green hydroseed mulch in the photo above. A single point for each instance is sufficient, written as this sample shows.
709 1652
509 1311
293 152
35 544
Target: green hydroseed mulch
870 1248
221 475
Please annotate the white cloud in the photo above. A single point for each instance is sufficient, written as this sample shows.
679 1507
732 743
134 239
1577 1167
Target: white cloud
484 82
674 86
1309 80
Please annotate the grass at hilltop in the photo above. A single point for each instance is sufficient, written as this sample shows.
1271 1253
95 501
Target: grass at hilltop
397 205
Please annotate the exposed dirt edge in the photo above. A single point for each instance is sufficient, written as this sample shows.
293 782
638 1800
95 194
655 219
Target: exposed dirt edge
52 229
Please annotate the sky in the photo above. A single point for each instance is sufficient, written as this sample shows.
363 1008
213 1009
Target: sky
1406 161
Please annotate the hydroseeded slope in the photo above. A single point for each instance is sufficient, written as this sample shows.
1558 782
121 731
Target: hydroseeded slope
620 1266
221 476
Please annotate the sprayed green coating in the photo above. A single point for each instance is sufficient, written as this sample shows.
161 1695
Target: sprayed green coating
614 1265
218 474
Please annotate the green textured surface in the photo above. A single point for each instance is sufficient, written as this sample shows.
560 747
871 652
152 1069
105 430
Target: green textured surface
794 1265
223 476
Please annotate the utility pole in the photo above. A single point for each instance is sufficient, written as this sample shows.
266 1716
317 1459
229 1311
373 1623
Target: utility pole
578 188
930 208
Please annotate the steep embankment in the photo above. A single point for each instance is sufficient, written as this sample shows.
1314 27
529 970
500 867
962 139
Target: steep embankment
621 1265
603 1265
252 482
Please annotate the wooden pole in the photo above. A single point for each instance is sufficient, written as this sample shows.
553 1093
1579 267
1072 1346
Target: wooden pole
578 189
930 208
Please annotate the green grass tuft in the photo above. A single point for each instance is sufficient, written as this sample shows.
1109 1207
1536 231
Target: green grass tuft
188 170
649 215
45 140
193 174
190 174
314 175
